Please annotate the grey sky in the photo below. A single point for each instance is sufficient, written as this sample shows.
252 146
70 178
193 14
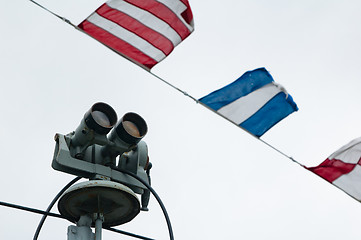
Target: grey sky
216 181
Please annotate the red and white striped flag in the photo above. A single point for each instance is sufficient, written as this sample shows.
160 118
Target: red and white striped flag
343 169
143 31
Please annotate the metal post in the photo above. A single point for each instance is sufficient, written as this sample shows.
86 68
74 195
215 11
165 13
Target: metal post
82 229
98 226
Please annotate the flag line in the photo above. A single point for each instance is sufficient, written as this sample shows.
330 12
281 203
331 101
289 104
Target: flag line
204 105
171 85
56 15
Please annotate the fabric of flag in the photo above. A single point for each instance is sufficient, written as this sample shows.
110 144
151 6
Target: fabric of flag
254 102
143 31
343 169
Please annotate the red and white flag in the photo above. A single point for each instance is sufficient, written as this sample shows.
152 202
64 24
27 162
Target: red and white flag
143 31
343 169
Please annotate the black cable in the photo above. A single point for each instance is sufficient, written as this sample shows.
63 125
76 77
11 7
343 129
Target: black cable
56 199
127 233
41 223
33 210
170 230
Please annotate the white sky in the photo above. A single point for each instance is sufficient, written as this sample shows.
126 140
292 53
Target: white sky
216 181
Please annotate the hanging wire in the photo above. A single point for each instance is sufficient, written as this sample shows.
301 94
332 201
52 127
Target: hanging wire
127 233
38 229
41 223
56 215
48 213
164 210
33 210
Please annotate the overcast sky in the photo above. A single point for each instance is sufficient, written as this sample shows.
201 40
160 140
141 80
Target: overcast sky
216 181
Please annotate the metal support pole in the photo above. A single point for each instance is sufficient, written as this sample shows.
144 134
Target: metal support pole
82 229
98 226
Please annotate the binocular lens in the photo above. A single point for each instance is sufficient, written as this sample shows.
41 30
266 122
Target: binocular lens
131 128
101 118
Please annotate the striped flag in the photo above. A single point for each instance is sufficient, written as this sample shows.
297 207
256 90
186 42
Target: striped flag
143 31
343 169
254 102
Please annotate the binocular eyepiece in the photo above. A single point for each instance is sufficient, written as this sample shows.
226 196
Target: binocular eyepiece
101 119
101 145
131 128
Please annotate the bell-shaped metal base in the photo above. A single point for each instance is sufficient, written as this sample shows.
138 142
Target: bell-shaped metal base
116 202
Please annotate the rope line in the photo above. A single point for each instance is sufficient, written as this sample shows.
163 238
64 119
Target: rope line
174 87
212 110
56 15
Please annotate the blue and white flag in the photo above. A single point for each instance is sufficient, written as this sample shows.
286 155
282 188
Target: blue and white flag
254 102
